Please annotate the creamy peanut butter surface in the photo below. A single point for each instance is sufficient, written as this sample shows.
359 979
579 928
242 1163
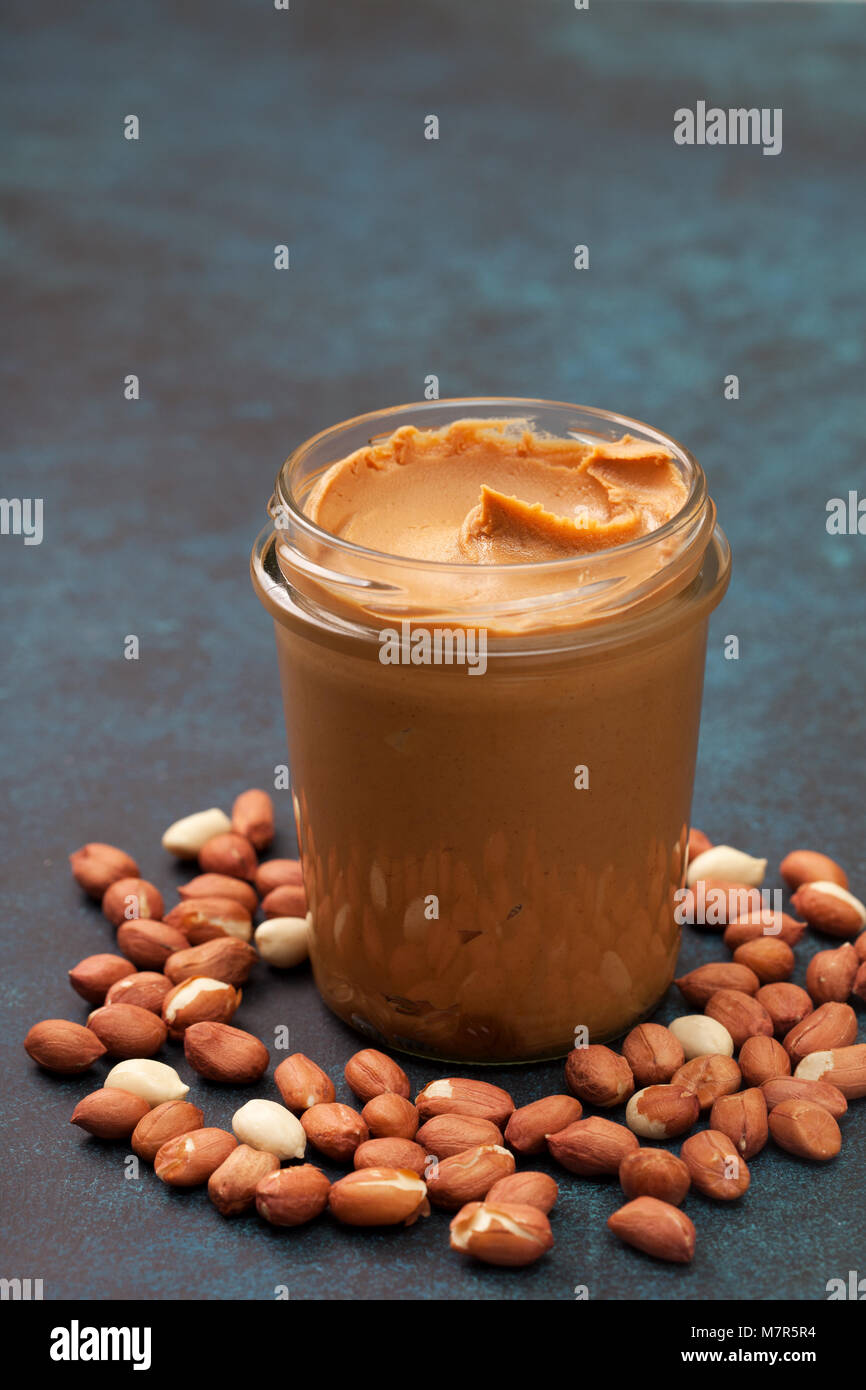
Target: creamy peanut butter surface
493 492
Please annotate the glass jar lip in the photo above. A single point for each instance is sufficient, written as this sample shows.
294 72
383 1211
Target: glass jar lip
692 510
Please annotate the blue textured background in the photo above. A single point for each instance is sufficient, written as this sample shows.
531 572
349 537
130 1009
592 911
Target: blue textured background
408 257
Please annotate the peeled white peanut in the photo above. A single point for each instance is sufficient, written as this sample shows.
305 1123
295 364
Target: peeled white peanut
643 1125
833 890
814 1066
242 930
438 1090
155 1082
190 990
263 1124
730 865
283 941
702 1037
187 836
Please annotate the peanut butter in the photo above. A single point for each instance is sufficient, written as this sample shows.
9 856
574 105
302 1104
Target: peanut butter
491 864
491 492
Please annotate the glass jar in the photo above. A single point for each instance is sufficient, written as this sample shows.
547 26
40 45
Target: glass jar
491 858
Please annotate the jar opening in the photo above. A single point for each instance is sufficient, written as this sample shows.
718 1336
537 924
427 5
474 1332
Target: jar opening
360 588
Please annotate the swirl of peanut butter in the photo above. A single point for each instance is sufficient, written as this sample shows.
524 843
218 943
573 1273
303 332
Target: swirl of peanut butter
492 492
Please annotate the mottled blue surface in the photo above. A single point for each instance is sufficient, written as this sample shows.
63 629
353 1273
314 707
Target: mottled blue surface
408 257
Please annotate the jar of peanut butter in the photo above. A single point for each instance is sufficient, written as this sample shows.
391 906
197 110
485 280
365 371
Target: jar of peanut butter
491 620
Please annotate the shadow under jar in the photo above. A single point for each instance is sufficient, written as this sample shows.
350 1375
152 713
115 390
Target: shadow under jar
471 897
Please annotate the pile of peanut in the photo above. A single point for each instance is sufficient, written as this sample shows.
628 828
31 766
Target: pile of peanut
178 977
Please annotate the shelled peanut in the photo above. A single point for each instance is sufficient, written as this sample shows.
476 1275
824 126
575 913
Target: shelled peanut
762 1059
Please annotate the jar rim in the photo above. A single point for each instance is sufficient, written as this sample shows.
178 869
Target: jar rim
349 586
286 500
